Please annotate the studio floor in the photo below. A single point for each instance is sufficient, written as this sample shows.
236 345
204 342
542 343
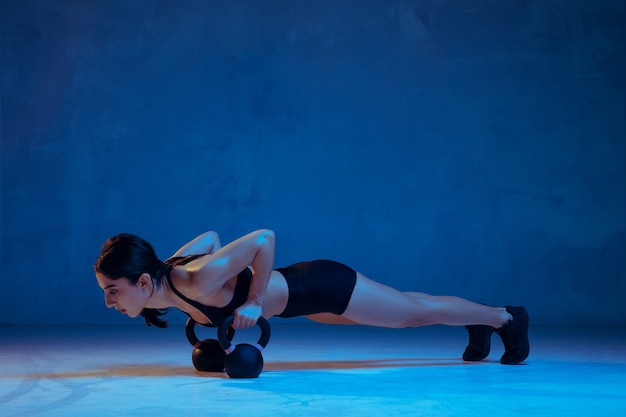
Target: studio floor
310 370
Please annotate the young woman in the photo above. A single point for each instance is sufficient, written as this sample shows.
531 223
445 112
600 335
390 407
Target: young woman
209 283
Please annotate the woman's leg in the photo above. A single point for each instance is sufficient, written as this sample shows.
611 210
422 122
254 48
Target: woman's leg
376 304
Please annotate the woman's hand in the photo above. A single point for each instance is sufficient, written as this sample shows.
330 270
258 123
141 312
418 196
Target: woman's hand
247 315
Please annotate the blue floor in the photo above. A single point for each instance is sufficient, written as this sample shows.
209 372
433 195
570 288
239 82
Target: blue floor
310 370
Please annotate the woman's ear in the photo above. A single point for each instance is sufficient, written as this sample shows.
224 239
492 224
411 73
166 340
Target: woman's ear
145 281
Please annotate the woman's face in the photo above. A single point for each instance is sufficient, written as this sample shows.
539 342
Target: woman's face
126 297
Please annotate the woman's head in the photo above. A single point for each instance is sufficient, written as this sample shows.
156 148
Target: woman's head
128 271
127 256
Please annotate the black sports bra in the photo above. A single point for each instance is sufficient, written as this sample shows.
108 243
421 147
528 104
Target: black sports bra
216 314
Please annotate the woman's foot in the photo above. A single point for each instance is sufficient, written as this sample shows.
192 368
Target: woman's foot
479 342
514 335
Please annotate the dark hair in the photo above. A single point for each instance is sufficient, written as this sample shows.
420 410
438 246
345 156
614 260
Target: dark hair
129 256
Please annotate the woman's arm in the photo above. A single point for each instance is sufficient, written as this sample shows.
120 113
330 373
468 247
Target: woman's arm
206 243
255 249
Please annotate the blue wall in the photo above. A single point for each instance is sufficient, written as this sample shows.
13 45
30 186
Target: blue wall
474 148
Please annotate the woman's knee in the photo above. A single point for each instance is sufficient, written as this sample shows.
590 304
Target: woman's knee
410 322
425 312
376 304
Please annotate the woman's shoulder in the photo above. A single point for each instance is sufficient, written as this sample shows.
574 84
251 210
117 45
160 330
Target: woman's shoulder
191 274
179 275
180 260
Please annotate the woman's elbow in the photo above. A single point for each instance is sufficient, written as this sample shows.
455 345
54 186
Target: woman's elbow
213 236
266 237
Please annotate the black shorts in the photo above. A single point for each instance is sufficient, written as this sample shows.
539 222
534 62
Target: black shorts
318 287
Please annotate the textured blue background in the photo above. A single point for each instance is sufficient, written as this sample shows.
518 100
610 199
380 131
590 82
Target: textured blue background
474 148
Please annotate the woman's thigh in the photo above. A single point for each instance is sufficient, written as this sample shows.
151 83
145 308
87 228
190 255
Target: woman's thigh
376 304
329 318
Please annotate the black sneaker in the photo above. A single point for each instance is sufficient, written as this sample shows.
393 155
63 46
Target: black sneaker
479 342
514 335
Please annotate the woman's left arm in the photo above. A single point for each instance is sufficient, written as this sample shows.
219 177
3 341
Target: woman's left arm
262 264
255 249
